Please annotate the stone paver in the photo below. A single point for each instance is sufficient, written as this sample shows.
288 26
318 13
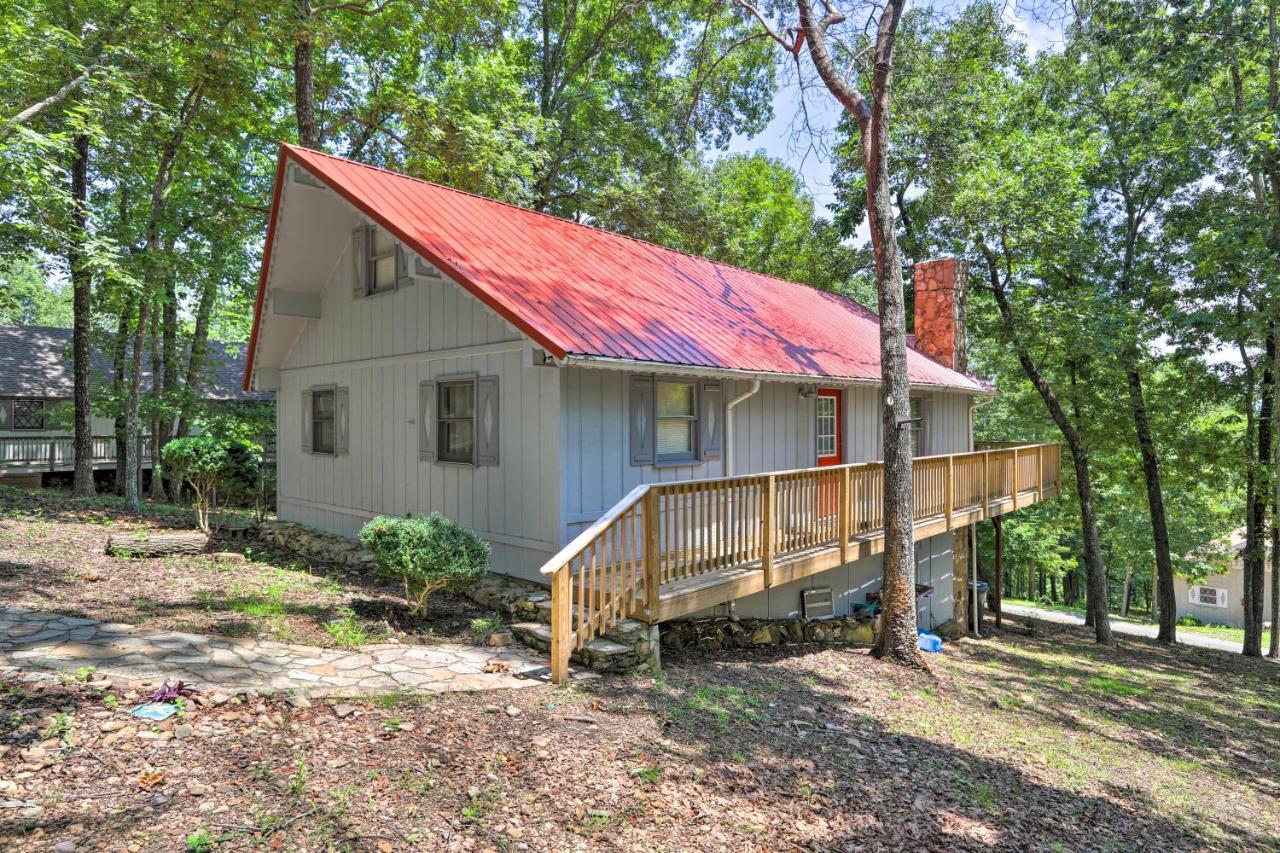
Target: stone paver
30 639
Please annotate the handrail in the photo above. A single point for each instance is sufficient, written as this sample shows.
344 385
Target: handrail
663 533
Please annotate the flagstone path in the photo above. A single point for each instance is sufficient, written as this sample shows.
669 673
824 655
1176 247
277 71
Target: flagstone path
31 639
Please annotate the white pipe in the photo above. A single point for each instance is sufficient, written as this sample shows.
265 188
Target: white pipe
728 423
973 573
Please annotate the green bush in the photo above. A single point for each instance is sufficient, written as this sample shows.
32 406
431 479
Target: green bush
426 553
209 464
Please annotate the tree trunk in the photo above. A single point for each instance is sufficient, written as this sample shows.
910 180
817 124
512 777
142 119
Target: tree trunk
1258 498
1128 587
157 420
132 465
1166 602
82 324
304 80
119 354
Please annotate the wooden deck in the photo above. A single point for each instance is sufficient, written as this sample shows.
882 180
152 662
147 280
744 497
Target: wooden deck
33 454
668 550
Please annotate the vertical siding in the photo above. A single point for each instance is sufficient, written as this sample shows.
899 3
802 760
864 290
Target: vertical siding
381 348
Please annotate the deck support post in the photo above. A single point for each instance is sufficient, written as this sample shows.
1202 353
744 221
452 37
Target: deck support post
843 515
561 624
998 522
767 497
652 577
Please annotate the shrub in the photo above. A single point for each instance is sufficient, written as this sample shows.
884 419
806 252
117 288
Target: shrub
208 463
426 553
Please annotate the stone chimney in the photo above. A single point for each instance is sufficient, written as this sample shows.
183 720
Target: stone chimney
939 302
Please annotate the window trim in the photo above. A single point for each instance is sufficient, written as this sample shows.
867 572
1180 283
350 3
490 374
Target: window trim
332 418
44 410
440 419
694 455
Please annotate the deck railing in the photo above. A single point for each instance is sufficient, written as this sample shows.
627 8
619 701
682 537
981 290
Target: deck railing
54 452
667 533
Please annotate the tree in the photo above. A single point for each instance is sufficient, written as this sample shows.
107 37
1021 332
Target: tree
26 299
873 66
209 464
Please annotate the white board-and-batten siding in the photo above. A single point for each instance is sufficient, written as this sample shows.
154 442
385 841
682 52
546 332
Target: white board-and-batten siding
380 348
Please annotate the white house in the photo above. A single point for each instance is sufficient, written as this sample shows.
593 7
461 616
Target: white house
523 375
1218 599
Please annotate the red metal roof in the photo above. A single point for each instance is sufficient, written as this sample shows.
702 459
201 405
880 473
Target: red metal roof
578 290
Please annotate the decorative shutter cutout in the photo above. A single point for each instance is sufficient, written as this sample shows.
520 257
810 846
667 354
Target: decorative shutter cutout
360 266
426 420
641 420
306 421
711 420
6 414
487 420
404 275
341 420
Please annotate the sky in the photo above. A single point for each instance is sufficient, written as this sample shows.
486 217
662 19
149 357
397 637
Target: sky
787 139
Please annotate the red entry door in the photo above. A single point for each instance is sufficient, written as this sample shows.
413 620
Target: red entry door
830 427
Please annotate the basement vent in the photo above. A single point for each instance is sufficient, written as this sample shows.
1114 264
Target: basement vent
818 603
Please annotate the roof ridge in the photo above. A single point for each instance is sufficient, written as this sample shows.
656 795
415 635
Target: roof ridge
596 228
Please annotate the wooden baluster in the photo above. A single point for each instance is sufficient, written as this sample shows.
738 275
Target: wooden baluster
652 582
768 494
582 595
844 512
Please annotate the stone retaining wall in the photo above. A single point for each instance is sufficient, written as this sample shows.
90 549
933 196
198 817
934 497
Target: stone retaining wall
316 544
725 633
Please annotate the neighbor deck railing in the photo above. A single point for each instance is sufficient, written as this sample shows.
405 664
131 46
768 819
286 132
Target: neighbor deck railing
54 452
671 533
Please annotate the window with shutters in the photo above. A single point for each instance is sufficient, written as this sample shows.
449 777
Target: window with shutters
676 421
28 414
323 426
456 421
382 261
1209 596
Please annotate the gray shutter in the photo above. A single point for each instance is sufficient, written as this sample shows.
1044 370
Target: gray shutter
404 276
640 420
426 420
360 262
710 420
6 414
487 420
341 420
306 421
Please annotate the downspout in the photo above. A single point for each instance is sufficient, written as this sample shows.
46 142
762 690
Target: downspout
973 530
728 424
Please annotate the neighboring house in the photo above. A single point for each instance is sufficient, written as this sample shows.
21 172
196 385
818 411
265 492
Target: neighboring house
36 376
1219 598
523 375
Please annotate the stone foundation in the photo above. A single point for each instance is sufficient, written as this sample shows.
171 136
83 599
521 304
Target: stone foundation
725 633
316 544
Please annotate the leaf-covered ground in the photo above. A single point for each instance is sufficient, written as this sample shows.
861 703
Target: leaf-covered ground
1034 739
52 558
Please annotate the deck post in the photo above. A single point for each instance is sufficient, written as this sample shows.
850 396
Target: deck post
767 520
561 624
998 522
843 515
949 490
986 469
652 578
1039 473
1014 487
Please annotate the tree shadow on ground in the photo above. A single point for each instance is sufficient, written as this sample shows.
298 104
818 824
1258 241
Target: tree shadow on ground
754 724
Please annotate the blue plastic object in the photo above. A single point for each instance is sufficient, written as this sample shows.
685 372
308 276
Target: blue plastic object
929 642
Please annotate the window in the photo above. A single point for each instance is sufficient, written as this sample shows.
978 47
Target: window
917 426
1209 596
382 261
28 414
677 421
457 421
322 421
827 444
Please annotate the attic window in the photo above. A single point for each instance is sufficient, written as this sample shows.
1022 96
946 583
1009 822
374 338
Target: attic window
382 261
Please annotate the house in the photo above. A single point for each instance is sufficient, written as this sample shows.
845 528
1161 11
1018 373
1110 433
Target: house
1218 599
36 379
670 434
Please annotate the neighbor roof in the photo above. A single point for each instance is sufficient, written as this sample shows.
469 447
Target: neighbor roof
35 361
582 291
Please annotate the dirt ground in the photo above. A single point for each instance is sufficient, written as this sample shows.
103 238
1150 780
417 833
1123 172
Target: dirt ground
1030 739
